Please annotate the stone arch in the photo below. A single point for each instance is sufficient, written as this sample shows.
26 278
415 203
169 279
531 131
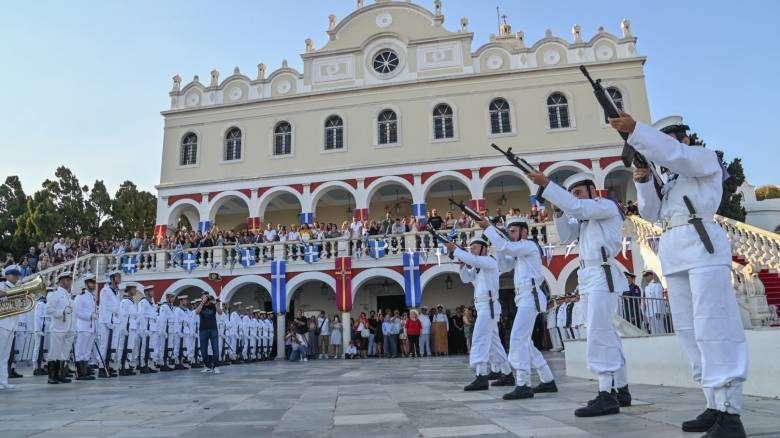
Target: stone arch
563 276
510 172
305 277
619 181
443 176
431 273
184 207
325 188
184 283
235 284
271 194
362 277
385 181
559 171
224 197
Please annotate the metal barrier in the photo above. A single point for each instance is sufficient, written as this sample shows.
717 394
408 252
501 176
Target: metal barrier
651 315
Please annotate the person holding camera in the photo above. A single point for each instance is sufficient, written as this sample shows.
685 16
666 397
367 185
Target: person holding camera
207 310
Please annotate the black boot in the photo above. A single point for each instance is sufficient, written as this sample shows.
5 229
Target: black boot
63 376
604 404
545 387
520 392
702 423
180 367
81 372
505 380
479 384
150 370
165 368
494 375
726 426
52 367
14 375
90 375
39 372
102 373
624 397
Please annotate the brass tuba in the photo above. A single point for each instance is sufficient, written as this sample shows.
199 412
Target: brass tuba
21 299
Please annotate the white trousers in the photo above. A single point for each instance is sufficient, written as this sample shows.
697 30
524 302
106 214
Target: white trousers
486 345
189 343
709 328
103 334
6 337
159 346
39 338
425 344
604 347
84 342
146 339
555 338
61 345
233 343
132 336
522 352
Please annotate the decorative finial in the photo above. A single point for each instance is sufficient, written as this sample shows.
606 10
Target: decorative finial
236 70
309 45
359 4
195 78
260 71
504 29
576 32
626 26
214 78
464 24
176 83
520 36
600 29
331 22
548 33
437 7
284 63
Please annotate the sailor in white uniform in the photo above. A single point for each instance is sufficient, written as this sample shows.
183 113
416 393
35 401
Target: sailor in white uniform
166 327
40 323
525 258
222 323
193 338
147 331
234 330
598 224
86 320
108 316
481 270
13 275
246 335
59 309
652 305
696 261
181 329
128 331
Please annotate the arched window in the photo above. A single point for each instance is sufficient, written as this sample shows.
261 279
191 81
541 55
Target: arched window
617 97
558 111
334 133
499 116
442 122
232 145
387 123
189 150
283 138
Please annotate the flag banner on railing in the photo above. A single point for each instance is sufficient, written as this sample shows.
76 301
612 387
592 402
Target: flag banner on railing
159 233
477 205
653 241
248 257
254 224
310 253
360 214
412 288
306 218
549 251
204 226
190 262
418 211
343 275
130 266
279 286
377 248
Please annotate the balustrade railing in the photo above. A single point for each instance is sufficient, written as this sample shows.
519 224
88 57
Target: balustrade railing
757 246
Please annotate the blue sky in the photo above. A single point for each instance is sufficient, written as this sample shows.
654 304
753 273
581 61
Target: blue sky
84 81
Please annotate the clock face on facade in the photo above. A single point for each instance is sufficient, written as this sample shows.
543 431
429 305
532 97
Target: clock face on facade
386 62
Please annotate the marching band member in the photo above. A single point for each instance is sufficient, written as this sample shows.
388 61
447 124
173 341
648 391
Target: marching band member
597 224
108 315
147 325
39 326
482 271
13 275
86 319
695 257
166 324
524 256
59 309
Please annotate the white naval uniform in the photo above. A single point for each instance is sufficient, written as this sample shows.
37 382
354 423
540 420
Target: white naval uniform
59 309
222 322
269 337
86 316
108 315
233 328
128 328
7 329
552 327
180 331
596 223
704 309
578 319
653 306
486 345
165 330
193 323
40 326
245 335
147 324
525 258
560 321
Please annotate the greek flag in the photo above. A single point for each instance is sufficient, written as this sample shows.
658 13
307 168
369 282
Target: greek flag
412 288
310 253
130 266
247 257
549 250
377 248
653 241
418 211
189 262
279 286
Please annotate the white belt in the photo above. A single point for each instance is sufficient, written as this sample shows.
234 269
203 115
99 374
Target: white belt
683 219
479 300
590 263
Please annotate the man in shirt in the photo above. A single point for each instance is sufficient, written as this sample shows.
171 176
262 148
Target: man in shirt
653 304
435 221
208 332
631 301
425 333
324 339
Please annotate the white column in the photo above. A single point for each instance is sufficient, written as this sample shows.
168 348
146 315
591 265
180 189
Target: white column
346 332
360 194
281 331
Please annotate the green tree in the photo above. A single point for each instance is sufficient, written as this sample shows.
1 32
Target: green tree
133 210
98 211
42 221
767 192
69 198
13 205
731 201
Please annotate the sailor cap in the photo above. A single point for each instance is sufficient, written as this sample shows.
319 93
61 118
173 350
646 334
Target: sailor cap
238 303
196 301
671 124
114 272
64 274
183 297
478 240
88 277
12 270
515 221
582 178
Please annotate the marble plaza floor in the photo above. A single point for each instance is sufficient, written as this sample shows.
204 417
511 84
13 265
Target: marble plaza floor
335 398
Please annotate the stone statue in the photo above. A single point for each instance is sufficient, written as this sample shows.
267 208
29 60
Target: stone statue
260 71
284 63
576 32
309 45
437 7
176 83
626 26
464 24
331 22
214 78
548 33
359 4
236 71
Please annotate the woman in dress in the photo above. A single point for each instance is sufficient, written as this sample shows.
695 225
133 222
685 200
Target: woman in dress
403 337
312 338
335 336
468 328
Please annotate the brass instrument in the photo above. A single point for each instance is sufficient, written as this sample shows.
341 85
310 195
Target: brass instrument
21 299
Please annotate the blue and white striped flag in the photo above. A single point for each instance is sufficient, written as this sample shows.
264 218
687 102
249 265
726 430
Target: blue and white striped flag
279 286
377 248
310 253
412 288
190 262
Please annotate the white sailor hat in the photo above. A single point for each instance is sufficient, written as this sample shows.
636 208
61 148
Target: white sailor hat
114 272
579 179
12 270
648 272
147 288
169 293
671 124
515 221
479 240
88 277
238 303
65 274
183 297
196 301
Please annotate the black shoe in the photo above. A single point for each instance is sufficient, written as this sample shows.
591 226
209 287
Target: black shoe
39 372
479 384
624 397
180 367
702 423
726 426
604 404
520 392
52 367
143 370
505 380
494 375
63 375
165 368
545 387
196 365
14 375
82 373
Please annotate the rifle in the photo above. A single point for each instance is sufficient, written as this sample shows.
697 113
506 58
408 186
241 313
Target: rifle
166 350
147 350
110 350
521 164
123 369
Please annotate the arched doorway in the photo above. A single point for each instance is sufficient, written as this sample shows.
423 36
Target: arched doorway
389 196
184 215
229 212
333 204
619 185
507 190
281 208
